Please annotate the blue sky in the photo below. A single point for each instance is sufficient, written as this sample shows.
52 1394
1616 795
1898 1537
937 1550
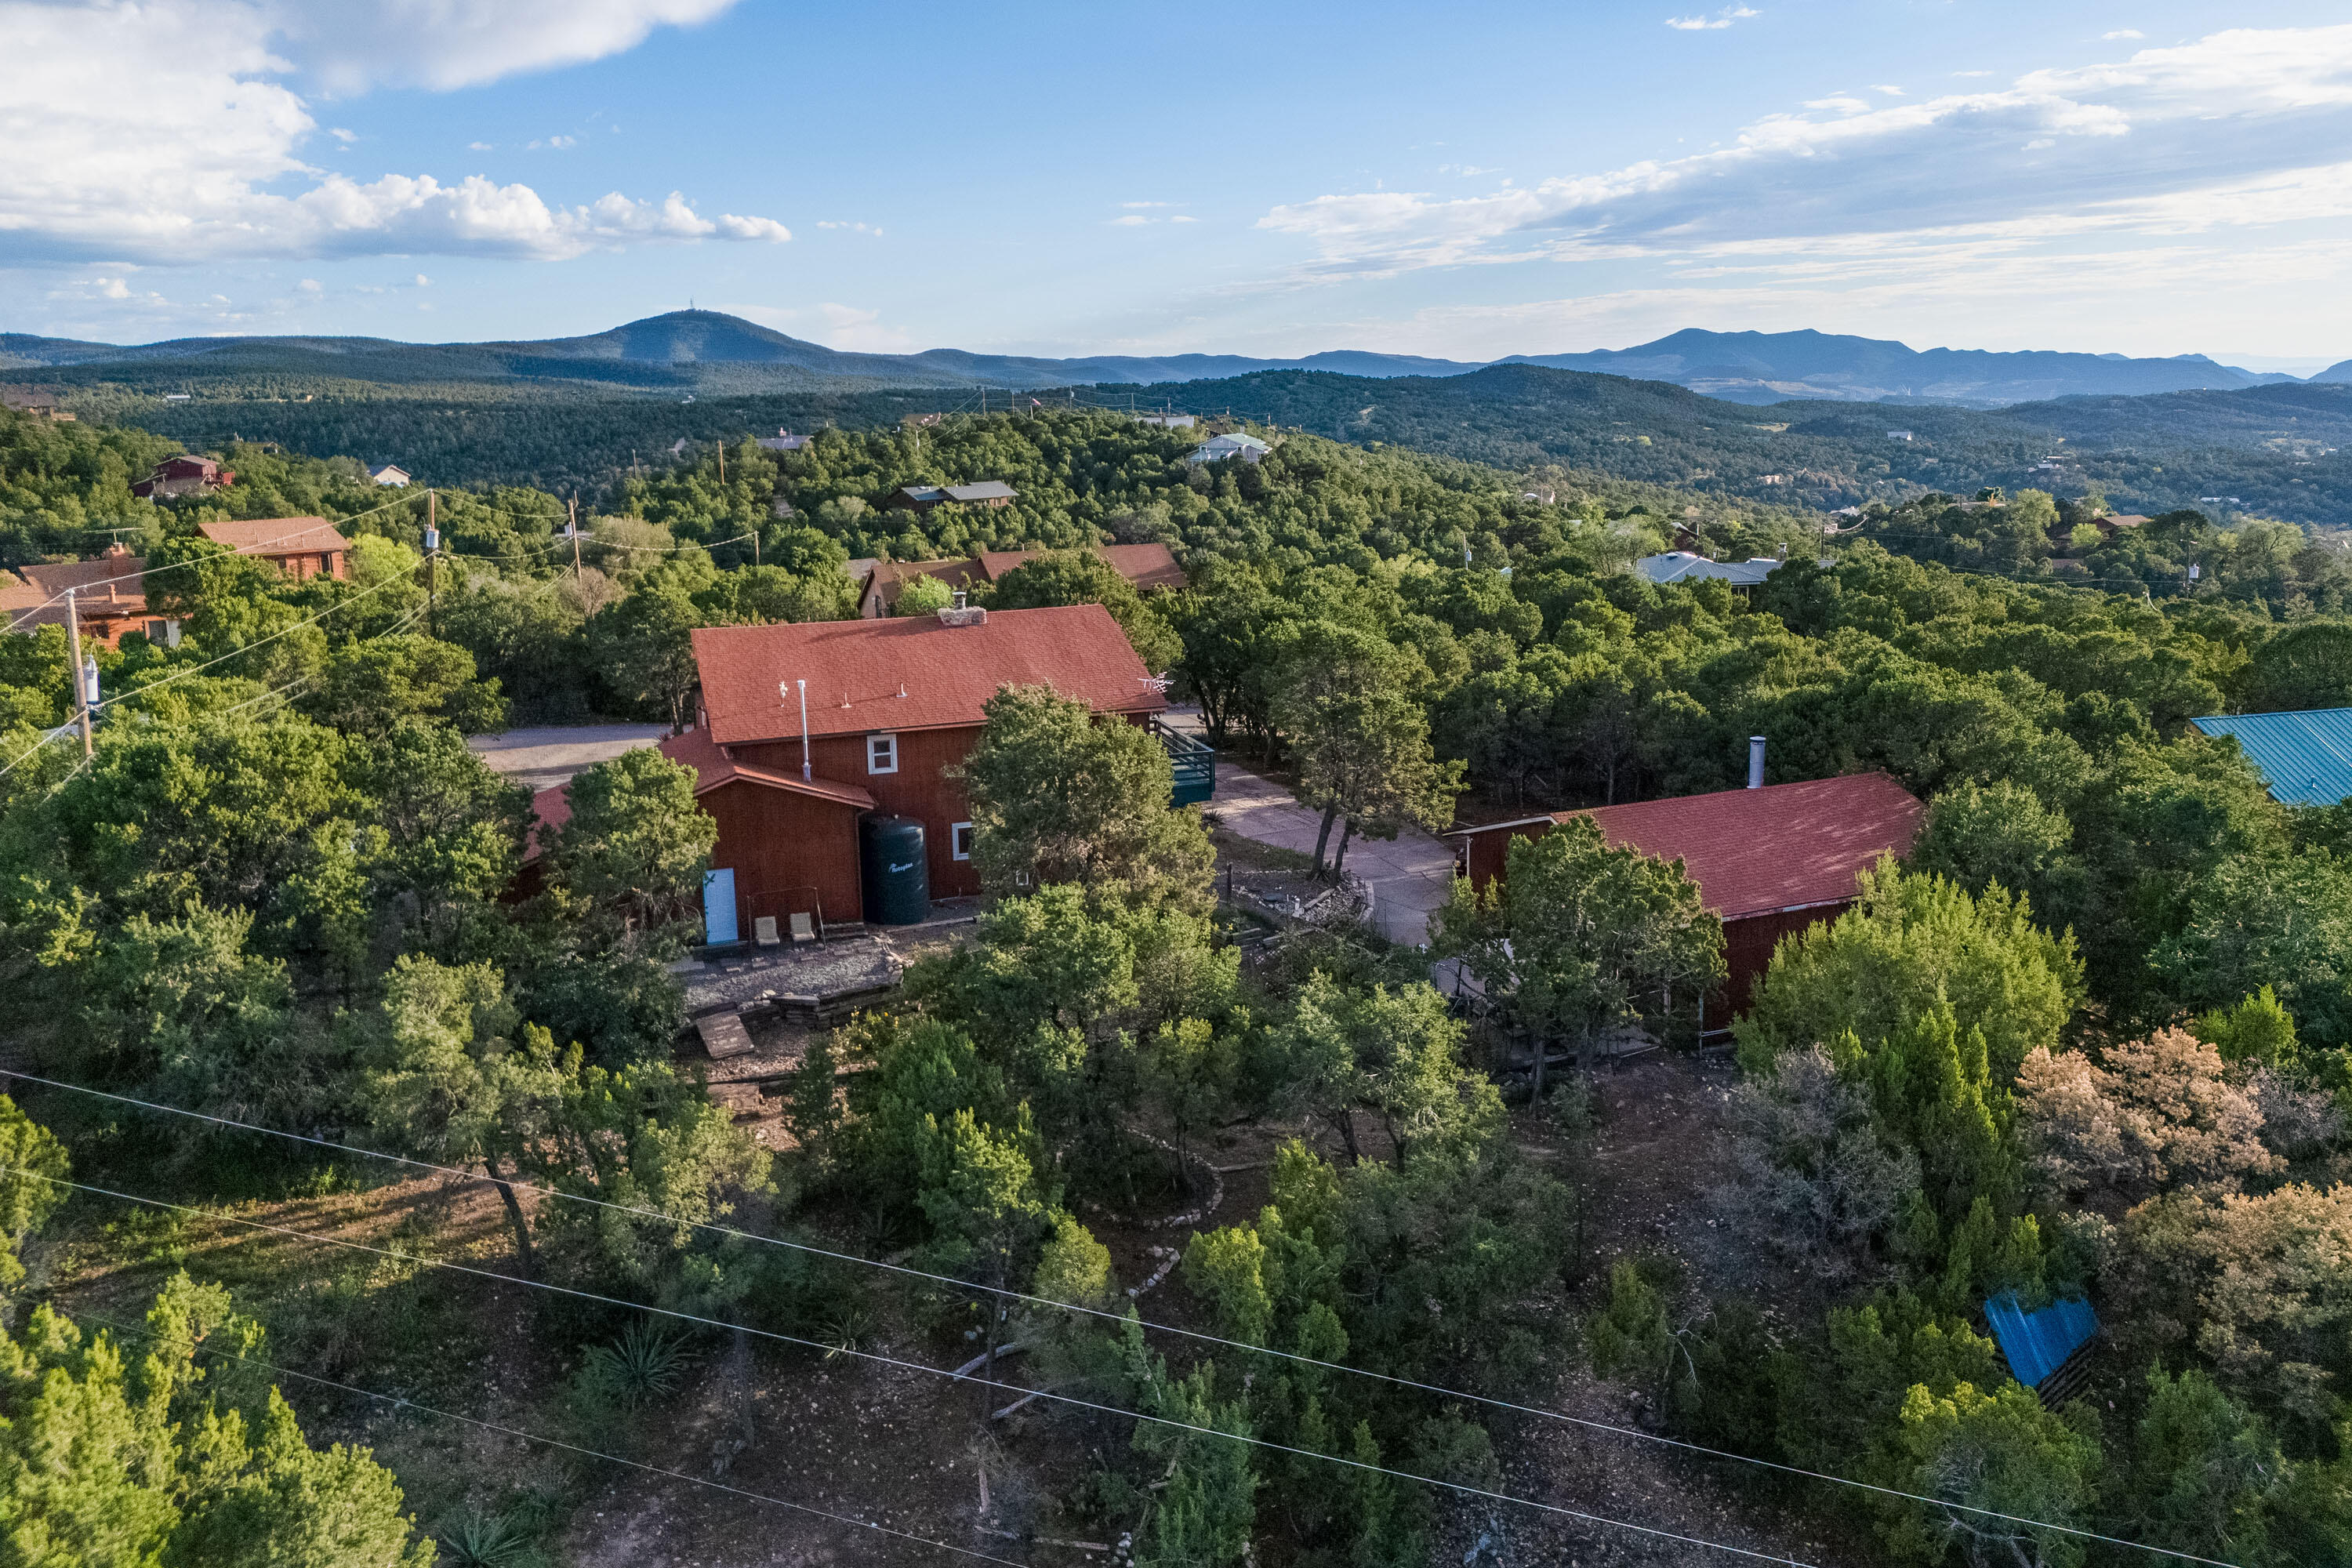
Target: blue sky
1466 182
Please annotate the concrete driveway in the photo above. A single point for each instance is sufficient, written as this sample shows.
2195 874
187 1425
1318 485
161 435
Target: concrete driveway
548 755
1411 876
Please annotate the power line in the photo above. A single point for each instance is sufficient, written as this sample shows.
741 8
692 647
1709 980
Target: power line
234 653
1461 1487
1079 1309
197 560
399 1403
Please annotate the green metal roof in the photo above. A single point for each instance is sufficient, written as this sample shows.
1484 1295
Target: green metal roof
2305 757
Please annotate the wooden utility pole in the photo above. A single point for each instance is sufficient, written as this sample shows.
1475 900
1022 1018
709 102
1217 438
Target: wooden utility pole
722 460
432 560
81 689
573 528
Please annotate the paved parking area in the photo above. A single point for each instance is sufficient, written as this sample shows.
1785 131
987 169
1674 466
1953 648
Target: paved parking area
1411 876
550 754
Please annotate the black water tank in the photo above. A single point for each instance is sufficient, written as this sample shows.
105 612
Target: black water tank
893 871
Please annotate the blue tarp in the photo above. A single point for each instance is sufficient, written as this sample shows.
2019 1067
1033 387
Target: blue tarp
2305 758
2038 1343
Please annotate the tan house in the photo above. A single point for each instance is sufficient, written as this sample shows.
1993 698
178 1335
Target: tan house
302 547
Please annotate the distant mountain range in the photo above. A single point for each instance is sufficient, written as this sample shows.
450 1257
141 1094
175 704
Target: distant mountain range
707 351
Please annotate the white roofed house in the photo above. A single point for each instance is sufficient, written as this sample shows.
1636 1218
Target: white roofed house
1217 449
388 474
1684 566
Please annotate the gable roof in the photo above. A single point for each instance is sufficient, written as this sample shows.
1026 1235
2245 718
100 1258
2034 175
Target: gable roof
856 671
112 583
713 768
2305 758
982 489
1784 847
550 808
1686 566
277 535
889 578
1145 566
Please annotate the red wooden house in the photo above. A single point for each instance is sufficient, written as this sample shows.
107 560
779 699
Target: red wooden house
1770 860
891 706
298 546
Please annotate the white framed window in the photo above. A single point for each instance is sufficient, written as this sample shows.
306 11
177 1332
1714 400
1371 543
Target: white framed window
881 753
959 841
1020 878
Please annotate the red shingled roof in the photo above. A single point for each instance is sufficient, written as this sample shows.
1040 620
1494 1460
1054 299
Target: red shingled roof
552 808
1784 847
277 535
857 670
1146 567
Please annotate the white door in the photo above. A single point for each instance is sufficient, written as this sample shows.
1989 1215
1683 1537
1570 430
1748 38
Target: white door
718 906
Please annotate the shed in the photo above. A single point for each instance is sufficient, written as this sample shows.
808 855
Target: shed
2039 1346
1769 862
2305 758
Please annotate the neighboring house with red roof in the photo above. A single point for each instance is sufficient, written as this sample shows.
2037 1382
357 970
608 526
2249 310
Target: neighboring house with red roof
1148 566
109 597
892 705
298 546
1769 861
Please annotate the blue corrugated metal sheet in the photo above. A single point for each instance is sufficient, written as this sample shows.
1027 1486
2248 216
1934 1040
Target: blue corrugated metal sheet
2305 758
2038 1343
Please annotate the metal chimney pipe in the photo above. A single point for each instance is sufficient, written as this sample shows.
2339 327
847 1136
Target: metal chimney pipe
1755 762
805 774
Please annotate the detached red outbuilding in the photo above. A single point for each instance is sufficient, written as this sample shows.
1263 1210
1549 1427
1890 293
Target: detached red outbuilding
891 706
1769 861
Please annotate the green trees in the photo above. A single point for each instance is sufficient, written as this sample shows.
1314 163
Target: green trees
1580 936
1059 796
637 844
114 1459
1880 966
1083 577
1361 738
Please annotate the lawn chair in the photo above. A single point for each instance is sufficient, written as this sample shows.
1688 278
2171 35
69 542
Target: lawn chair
804 928
763 931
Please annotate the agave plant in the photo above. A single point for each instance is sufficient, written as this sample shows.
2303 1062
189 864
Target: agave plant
490 1540
847 1328
644 1364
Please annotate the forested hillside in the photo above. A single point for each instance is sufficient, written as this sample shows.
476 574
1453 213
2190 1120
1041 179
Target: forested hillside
2277 451
2096 1036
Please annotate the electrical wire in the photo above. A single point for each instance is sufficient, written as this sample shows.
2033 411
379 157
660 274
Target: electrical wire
176 565
1079 1309
399 1402
179 675
900 1363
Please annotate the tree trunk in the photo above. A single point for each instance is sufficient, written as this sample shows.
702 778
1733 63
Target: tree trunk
1346 832
1344 1120
1323 836
1536 1080
524 1256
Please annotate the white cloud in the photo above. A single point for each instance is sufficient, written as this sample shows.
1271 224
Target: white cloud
113 288
311 285
555 143
1889 91
1129 221
2123 33
203 160
866 228
2189 127
1844 103
1723 19
345 137
422 281
479 147
1147 203
354 45
1180 217
861 331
